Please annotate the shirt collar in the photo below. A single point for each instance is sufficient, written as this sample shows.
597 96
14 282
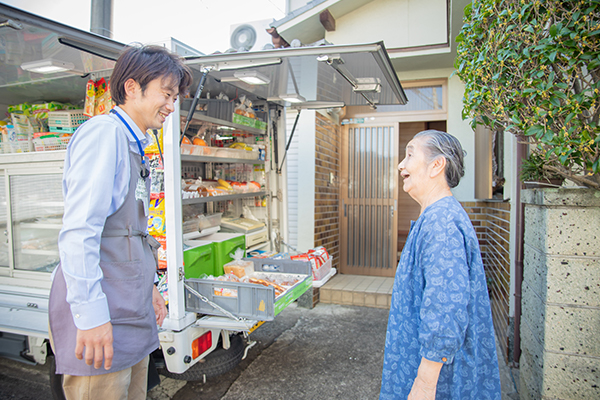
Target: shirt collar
143 137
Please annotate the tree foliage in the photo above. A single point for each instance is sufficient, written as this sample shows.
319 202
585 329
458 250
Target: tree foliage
533 68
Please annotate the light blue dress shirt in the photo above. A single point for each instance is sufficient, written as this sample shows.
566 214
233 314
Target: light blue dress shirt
440 310
95 184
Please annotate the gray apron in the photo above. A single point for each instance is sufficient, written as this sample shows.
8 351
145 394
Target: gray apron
128 266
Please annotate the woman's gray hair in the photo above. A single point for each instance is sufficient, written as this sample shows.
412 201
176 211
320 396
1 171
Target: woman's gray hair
444 144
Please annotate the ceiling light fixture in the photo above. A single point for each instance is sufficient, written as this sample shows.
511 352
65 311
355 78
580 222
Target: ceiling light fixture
252 77
292 98
47 66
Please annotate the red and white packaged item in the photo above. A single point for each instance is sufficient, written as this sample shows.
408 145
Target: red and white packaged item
319 260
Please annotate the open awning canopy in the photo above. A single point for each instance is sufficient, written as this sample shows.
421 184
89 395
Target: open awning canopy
321 76
349 74
34 49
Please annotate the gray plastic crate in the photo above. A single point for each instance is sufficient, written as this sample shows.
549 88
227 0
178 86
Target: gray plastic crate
246 300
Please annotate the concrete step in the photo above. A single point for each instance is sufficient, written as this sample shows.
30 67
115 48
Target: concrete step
358 290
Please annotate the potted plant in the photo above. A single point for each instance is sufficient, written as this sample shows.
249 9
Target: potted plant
534 175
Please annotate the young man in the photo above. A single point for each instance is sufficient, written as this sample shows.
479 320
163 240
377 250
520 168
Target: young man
104 307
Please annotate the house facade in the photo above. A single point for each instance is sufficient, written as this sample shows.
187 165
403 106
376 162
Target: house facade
343 189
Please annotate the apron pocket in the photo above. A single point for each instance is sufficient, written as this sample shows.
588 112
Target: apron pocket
126 290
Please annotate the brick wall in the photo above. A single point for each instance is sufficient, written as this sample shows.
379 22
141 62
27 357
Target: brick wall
327 156
491 220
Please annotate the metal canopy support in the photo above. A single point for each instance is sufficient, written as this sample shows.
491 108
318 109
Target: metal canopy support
336 63
289 142
192 109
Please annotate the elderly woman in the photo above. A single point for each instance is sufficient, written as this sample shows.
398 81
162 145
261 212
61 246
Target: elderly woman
440 338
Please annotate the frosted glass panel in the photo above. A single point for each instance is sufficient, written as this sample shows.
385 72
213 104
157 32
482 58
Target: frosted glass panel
37 209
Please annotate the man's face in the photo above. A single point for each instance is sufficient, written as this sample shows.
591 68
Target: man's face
156 103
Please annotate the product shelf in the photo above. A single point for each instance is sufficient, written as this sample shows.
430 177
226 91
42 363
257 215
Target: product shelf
38 225
210 199
220 160
40 252
204 118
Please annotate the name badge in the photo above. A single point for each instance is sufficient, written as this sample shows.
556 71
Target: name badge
141 193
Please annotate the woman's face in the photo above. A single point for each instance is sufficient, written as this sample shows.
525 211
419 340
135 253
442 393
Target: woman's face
414 169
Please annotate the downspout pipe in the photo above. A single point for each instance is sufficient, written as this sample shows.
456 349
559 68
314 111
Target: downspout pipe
519 254
101 18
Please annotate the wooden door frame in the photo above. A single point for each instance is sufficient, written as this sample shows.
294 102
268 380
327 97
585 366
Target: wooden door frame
343 190
379 119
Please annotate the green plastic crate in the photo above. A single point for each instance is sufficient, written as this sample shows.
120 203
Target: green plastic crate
223 245
199 260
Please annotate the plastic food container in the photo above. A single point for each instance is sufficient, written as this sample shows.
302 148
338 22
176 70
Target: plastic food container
192 150
247 300
209 221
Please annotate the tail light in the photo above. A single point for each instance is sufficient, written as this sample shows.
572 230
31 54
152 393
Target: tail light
201 344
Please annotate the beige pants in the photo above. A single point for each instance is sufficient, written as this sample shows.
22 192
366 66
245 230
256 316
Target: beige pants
128 384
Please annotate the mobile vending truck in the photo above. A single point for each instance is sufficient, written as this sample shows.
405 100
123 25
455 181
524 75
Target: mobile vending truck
230 160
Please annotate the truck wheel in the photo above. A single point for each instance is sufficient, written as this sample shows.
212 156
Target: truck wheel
216 363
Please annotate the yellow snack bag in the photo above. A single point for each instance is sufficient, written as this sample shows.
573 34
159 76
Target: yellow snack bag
156 217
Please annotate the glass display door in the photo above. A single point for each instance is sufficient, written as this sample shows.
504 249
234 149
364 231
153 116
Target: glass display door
36 218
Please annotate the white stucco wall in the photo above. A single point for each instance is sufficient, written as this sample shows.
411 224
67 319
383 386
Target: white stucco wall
301 181
405 23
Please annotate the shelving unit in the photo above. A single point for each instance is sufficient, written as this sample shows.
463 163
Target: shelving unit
223 160
203 118
201 200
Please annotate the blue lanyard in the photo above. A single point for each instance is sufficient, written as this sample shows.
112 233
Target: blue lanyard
144 173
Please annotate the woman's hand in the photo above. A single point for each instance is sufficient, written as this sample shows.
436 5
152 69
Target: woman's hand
421 390
425 384
160 309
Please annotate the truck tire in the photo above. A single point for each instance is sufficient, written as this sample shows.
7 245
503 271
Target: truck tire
216 363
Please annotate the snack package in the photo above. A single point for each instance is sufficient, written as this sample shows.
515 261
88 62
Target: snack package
163 287
317 258
156 217
102 100
110 102
90 99
162 252
239 267
152 148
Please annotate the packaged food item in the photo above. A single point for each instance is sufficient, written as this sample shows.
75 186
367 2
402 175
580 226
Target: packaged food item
238 266
163 287
102 100
152 148
90 98
110 101
198 142
156 217
162 251
318 258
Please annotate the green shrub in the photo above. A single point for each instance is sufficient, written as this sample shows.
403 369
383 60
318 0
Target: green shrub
533 68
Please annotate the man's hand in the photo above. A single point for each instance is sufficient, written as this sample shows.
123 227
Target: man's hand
98 343
160 309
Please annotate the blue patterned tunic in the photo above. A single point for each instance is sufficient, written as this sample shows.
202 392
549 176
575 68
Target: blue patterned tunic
441 310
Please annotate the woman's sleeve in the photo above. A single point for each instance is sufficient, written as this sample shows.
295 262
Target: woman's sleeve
443 312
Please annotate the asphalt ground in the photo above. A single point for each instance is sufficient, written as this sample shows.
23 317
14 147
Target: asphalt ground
329 352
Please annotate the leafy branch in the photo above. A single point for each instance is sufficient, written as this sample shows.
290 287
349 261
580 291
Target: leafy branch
533 68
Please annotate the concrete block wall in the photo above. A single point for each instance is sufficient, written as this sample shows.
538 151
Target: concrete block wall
560 323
